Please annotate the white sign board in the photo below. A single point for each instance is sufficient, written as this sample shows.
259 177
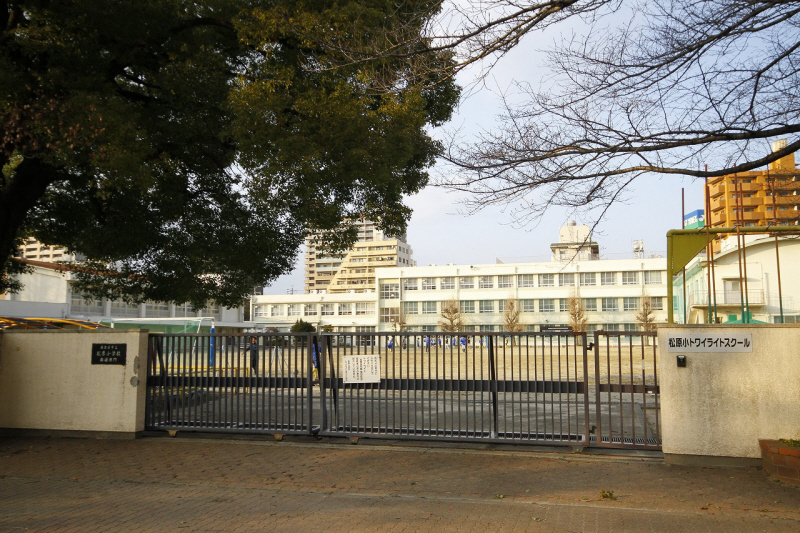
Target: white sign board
710 343
362 369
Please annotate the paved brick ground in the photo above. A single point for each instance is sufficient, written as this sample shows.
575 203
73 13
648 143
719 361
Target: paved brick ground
160 484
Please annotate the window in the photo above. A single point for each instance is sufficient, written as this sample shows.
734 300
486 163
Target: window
608 278
546 280
590 304
566 280
159 309
326 310
85 305
630 303
486 306
310 310
428 308
275 310
610 304
410 284
547 306
630 278
121 308
657 303
428 284
389 315
466 306
345 309
466 282
486 327
526 306
411 308
503 282
485 282
390 291
586 279
448 283
652 277
365 308
629 327
563 305
525 280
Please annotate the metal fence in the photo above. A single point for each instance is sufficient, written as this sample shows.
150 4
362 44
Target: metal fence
490 387
626 394
536 388
242 383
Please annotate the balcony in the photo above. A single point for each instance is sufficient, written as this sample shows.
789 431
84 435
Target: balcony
727 298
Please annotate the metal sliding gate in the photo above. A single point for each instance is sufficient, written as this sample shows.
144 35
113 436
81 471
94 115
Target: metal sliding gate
535 388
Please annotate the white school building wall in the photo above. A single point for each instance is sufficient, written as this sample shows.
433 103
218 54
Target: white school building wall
612 289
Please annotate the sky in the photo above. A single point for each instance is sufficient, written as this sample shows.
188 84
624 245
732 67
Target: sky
440 233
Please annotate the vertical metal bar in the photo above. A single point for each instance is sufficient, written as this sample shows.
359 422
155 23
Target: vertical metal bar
536 379
644 387
586 425
683 225
633 398
598 415
493 387
744 255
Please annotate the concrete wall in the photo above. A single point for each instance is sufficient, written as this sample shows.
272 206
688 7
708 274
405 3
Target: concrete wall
721 403
48 382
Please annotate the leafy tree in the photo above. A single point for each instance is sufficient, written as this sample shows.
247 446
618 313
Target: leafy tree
452 320
301 326
186 147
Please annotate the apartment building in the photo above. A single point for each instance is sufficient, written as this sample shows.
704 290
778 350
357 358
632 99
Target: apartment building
354 271
412 298
36 251
757 198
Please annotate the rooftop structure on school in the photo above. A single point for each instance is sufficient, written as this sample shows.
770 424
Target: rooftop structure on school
354 271
612 294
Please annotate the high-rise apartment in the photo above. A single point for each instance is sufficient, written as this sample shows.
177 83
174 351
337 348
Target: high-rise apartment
354 271
757 198
36 251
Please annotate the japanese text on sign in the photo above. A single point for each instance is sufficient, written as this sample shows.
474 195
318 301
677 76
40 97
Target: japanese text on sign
362 369
109 354
710 342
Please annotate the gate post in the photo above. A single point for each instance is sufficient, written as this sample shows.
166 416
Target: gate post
493 385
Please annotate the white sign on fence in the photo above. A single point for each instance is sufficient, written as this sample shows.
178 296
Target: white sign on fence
710 342
362 369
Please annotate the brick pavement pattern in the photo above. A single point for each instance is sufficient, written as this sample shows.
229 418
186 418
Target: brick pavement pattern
160 484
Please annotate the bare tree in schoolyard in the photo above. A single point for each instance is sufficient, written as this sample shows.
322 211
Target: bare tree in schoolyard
399 323
645 316
576 312
452 320
511 321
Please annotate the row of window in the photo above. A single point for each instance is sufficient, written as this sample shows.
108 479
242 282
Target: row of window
80 305
526 328
584 279
543 305
342 309
389 314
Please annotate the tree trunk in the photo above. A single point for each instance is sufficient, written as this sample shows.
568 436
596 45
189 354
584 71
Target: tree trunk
18 196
